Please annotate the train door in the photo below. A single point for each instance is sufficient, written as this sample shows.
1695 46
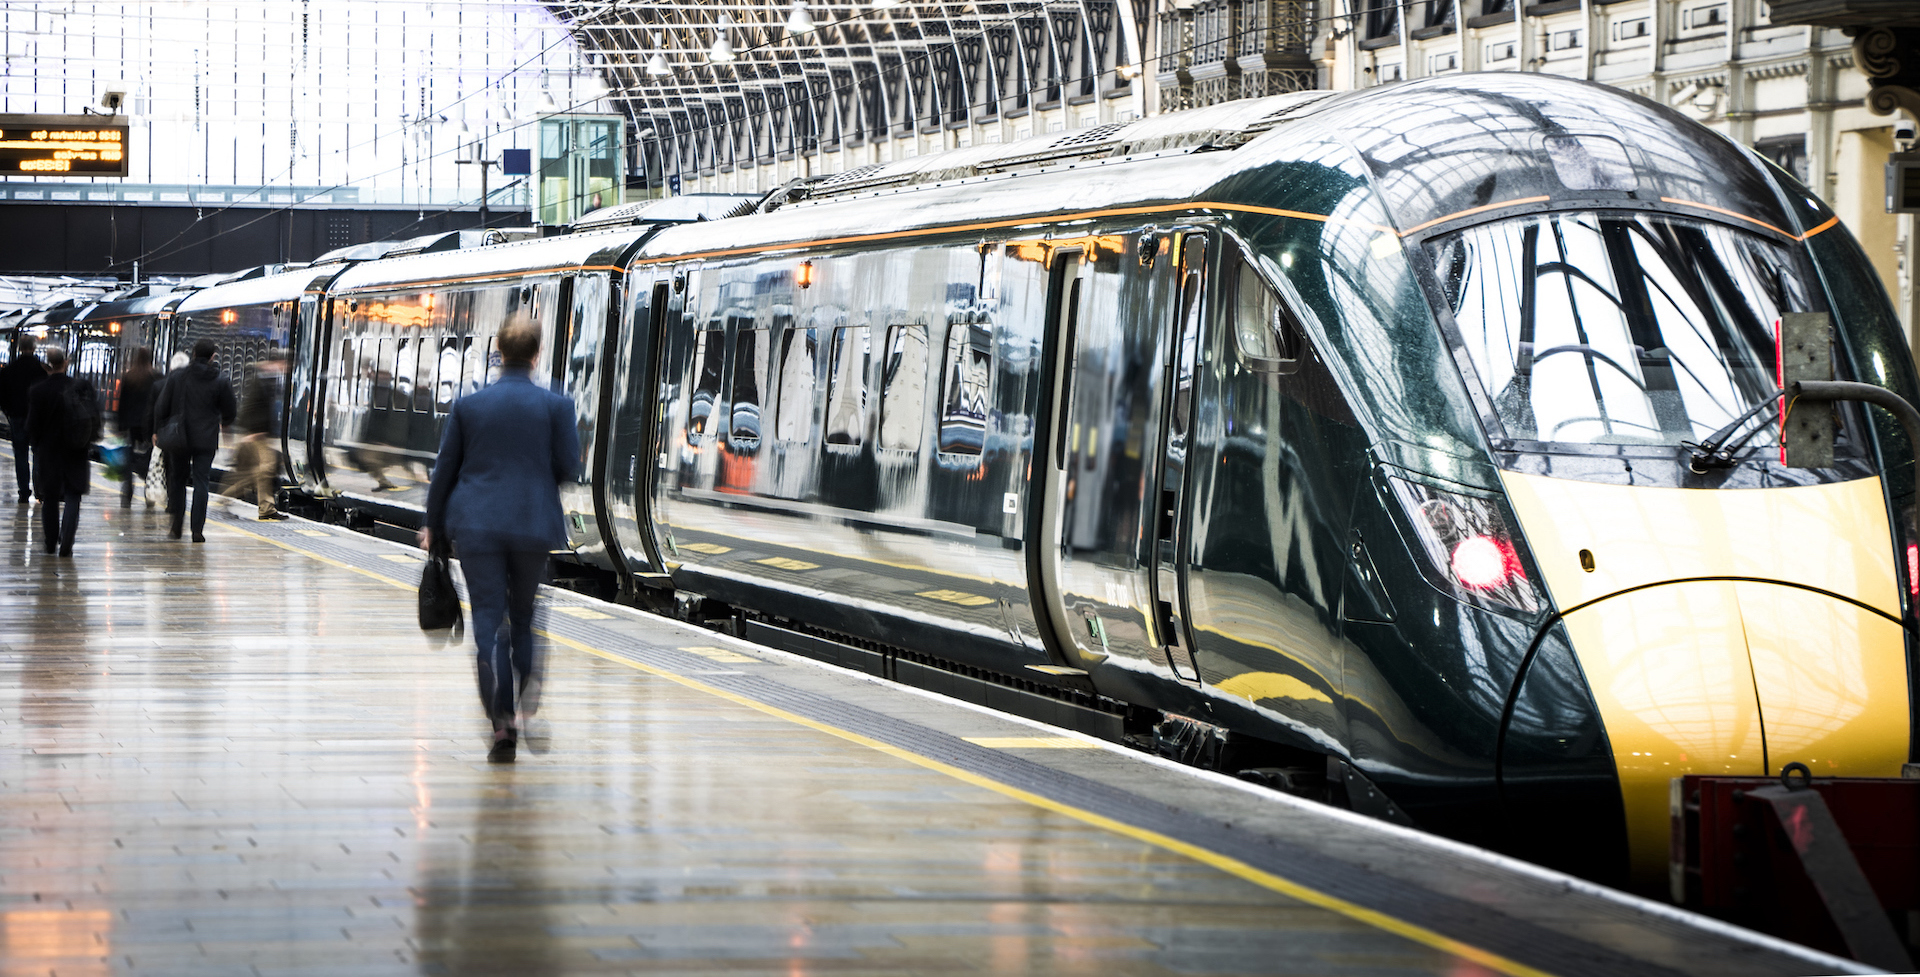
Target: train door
1048 495
302 357
1168 577
637 410
579 327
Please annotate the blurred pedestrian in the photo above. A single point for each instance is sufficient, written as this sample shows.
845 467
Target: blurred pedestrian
496 492
63 421
203 399
17 380
135 420
256 459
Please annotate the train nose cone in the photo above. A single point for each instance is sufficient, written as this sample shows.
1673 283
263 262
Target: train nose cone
1739 678
1726 631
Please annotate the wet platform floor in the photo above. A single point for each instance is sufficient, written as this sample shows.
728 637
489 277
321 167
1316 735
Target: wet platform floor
243 757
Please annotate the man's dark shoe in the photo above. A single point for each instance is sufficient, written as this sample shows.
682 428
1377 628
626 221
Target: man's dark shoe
66 551
502 751
199 537
273 517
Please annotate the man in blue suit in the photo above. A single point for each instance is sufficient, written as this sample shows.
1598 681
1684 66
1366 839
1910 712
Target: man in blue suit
496 495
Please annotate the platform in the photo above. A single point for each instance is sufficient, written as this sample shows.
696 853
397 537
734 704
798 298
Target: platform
243 757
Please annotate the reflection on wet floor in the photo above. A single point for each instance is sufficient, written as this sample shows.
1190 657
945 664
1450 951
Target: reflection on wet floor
233 758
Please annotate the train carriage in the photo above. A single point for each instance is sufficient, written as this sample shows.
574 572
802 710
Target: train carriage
1360 427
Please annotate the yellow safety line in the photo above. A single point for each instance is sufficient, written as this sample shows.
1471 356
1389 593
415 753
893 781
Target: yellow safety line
1231 866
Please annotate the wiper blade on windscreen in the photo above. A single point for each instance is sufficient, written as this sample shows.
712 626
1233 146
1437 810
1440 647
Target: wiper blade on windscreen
1716 451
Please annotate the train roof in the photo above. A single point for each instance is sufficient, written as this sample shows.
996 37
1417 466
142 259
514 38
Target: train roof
147 301
1436 151
1481 146
559 253
284 287
58 313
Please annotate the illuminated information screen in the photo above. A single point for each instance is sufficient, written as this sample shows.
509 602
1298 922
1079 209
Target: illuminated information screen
44 145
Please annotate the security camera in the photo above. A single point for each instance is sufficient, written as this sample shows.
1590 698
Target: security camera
1903 130
112 95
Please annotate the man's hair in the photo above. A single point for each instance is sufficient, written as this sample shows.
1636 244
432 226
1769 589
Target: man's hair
204 350
26 345
143 356
55 356
520 342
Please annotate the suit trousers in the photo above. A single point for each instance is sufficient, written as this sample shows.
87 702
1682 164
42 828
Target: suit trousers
22 454
501 586
181 466
60 528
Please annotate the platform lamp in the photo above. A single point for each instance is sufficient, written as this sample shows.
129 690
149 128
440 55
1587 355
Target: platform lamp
485 165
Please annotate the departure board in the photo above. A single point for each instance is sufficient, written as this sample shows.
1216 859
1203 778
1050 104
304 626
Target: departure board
61 145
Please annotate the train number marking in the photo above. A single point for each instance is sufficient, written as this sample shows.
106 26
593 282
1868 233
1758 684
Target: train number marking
1010 503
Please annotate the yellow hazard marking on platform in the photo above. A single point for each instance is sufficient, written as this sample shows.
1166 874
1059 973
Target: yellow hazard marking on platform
312 532
711 549
584 613
722 655
1031 743
1225 863
960 597
783 563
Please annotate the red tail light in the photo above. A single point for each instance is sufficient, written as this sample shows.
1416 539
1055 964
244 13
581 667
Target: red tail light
1913 569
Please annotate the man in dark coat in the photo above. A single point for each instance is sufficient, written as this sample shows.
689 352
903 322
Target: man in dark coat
17 378
202 397
61 474
496 492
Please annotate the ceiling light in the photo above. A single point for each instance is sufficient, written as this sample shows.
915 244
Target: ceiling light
799 22
547 104
721 51
657 66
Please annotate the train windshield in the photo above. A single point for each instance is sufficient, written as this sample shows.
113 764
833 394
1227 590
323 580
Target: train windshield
1619 328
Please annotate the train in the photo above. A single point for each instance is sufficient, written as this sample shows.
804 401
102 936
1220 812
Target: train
1349 442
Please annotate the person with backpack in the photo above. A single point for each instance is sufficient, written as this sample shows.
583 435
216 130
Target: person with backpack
63 422
17 380
195 402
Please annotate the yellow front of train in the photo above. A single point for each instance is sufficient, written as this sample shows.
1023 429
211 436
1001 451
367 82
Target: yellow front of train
1726 631
1731 614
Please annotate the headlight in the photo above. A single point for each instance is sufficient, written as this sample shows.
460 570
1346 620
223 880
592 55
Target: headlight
1470 551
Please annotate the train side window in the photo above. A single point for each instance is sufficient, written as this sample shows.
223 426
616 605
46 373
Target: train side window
743 399
382 388
794 422
847 385
969 382
403 367
903 387
1266 332
709 353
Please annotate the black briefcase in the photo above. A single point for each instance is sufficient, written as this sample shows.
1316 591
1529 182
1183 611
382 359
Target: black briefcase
439 602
